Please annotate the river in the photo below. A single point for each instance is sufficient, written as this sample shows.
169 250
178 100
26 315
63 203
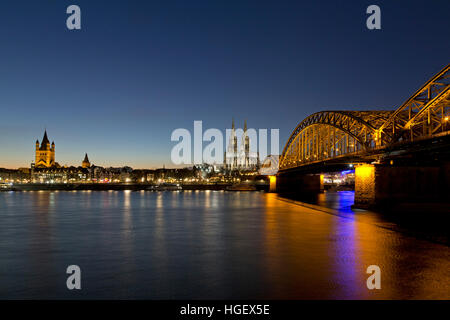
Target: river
209 245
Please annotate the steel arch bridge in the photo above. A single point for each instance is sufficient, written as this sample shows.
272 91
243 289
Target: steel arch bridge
328 135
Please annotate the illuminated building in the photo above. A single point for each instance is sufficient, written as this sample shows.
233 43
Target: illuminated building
45 153
86 163
239 157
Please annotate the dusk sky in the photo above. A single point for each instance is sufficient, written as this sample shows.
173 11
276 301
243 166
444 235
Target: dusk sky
137 70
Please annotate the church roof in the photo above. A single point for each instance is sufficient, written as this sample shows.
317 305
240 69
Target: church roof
86 159
44 141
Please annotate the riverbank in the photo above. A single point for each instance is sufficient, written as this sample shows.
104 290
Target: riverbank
117 186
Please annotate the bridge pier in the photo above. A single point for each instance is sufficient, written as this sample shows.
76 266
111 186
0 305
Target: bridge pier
377 185
299 183
365 193
273 184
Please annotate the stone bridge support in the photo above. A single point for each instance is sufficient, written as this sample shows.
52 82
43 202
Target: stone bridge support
385 184
299 183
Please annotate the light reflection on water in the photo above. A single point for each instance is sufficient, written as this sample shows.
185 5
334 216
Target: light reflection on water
207 245
341 200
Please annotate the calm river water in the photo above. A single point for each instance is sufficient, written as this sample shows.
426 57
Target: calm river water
208 245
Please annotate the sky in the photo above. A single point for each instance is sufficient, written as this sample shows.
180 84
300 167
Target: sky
137 70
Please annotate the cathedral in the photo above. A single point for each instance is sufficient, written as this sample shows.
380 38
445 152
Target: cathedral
45 153
240 157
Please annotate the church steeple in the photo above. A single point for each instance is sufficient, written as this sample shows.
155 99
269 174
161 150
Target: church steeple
45 140
86 163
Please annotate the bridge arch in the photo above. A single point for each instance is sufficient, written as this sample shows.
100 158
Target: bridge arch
424 114
328 134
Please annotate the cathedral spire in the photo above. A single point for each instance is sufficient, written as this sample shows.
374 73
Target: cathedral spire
245 125
232 123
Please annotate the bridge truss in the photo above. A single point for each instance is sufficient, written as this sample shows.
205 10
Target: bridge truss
332 134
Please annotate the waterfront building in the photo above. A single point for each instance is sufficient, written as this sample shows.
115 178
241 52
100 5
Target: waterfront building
45 153
15 176
60 175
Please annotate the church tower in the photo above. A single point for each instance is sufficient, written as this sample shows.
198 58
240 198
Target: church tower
45 153
230 156
235 146
86 163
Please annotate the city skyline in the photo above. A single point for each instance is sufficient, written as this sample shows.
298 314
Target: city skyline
44 153
135 72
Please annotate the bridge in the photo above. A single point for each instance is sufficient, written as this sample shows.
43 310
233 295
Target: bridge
394 148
